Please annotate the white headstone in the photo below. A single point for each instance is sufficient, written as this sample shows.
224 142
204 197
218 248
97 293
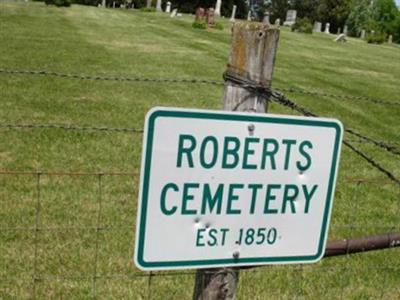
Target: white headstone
278 22
390 39
362 34
217 11
168 8
317 26
345 29
158 6
113 4
291 15
232 19
103 3
341 38
266 18
327 25
249 16
174 13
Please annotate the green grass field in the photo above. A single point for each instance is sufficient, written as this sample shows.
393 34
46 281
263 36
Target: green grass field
67 258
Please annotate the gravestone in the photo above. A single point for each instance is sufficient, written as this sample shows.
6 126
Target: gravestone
341 38
327 25
232 19
200 14
168 8
249 16
174 13
113 4
210 19
266 18
278 22
339 30
390 39
291 15
345 29
217 11
317 26
362 34
158 6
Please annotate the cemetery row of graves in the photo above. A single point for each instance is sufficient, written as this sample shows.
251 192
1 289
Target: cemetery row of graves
375 21
205 18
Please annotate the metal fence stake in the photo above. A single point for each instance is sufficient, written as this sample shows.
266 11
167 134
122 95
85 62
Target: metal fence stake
252 59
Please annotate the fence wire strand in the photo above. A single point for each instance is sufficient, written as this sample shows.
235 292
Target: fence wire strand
188 81
264 93
70 127
36 236
98 230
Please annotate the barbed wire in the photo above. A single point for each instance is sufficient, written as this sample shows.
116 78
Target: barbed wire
264 93
281 99
364 139
337 96
380 144
69 127
387 144
276 96
361 141
80 173
187 80
110 77
267 93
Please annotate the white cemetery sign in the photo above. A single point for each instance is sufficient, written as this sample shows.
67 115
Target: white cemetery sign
231 189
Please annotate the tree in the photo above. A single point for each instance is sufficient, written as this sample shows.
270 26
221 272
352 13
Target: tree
334 12
278 9
360 16
385 13
306 9
380 16
396 29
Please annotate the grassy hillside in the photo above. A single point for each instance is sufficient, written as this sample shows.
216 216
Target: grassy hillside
68 257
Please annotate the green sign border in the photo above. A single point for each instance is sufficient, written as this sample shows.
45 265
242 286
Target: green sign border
228 116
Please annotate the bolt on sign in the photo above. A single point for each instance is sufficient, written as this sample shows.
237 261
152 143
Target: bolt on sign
231 189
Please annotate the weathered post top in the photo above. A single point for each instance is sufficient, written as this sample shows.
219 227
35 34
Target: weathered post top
252 59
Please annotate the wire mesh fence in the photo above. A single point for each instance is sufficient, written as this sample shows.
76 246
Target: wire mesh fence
70 234
68 201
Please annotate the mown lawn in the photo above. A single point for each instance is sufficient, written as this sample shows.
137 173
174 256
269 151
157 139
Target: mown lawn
68 257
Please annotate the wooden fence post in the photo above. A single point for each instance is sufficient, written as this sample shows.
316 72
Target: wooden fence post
252 59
